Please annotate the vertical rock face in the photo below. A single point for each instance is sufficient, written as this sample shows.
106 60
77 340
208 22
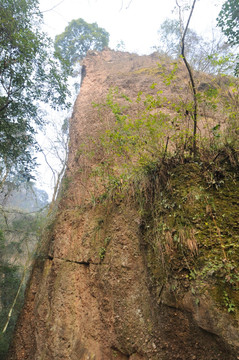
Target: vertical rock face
91 295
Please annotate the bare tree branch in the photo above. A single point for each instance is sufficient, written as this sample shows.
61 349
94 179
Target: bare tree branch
129 4
55 6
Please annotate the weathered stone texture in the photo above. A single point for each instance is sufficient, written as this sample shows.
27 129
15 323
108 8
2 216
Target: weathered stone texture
82 306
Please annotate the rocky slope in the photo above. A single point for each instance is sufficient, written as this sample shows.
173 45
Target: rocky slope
107 285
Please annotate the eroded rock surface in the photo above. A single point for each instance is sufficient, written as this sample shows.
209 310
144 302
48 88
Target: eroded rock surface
91 295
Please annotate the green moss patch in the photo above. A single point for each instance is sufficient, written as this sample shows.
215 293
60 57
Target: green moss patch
191 231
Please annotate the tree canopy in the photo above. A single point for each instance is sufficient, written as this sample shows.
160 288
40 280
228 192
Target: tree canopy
228 20
29 74
79 37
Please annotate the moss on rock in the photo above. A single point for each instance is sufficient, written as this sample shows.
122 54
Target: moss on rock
191 232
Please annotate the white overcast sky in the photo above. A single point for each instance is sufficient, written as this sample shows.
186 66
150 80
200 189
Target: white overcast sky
135 22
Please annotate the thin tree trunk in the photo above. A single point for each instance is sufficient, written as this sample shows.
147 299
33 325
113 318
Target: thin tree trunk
195 111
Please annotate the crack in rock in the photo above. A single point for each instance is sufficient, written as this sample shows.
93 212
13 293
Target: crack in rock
85 263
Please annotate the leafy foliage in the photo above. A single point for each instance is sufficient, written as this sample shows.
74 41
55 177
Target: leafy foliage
28 74
132 144
79 37
228 19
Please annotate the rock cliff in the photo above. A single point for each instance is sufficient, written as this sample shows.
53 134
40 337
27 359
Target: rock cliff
104 286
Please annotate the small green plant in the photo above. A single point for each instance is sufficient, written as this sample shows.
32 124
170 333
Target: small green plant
168 76
131 144
102 253
192 274
107 240
197 301
228 302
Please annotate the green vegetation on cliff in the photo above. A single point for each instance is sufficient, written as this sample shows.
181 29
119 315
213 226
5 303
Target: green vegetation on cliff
188 205
190 228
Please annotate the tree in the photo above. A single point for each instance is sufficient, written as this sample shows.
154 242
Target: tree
228 20
170 38
79 37
194 91
29 74
203 55
55 154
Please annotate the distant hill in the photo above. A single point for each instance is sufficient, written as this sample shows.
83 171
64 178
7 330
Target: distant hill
26 197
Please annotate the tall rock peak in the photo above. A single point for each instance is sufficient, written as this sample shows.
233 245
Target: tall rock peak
98 289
